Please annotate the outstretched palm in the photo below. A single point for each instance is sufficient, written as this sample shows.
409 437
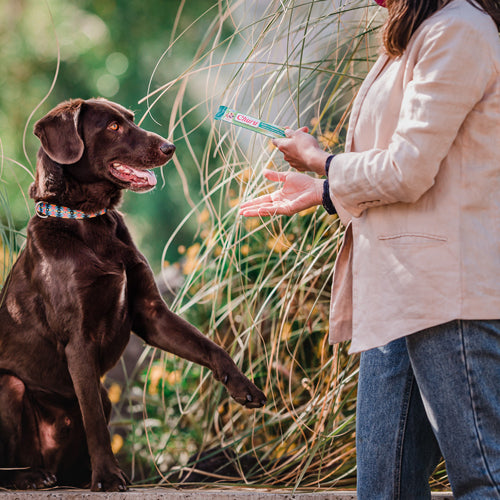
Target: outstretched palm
299 191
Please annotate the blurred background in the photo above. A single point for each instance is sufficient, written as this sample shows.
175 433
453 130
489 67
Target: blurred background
258 287
108 48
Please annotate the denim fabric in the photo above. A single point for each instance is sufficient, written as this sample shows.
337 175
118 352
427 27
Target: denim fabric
441 385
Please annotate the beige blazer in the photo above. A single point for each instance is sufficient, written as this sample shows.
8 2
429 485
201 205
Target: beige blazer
419 186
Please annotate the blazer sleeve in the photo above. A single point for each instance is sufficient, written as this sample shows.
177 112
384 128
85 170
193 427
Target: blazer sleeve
453 63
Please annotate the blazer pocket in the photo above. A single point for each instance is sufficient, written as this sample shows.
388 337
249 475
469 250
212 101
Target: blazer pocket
413 239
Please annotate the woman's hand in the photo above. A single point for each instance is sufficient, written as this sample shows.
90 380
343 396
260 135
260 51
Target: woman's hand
299 191
302 151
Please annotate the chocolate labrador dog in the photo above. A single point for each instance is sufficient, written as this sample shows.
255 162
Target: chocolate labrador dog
76 292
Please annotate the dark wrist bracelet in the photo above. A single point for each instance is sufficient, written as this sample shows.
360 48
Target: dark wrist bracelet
327 201
327 164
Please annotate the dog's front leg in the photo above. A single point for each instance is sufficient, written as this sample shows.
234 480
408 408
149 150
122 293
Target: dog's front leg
83 367
160 327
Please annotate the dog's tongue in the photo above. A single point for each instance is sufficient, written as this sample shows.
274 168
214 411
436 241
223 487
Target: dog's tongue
148 176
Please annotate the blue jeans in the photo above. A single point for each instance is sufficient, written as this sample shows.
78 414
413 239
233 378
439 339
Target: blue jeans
434 392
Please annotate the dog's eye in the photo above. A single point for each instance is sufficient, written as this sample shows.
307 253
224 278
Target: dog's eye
113 126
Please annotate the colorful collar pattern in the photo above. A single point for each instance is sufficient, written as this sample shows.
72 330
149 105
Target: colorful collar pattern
44 210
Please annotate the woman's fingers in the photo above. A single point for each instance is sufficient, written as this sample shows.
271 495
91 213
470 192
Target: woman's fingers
257 207
257 201
290 132
258 212
299 191
265 209
275 176
279 143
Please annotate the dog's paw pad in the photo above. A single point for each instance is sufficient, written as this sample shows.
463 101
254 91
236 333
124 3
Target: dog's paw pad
113 479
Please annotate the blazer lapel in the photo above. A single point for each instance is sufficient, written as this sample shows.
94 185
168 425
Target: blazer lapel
363 90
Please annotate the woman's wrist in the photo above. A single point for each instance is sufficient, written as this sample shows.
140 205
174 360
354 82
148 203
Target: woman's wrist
327 200
317 161
328 163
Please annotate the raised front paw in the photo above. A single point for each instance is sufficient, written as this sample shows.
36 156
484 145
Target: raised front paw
109 478
242 390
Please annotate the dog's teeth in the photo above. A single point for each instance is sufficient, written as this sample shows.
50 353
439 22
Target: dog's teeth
121 168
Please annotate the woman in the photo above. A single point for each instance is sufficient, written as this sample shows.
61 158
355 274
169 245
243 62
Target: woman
417 282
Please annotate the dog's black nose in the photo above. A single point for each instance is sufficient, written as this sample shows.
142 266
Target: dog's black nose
167 148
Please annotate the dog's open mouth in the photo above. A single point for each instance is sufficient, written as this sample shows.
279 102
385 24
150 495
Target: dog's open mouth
136 179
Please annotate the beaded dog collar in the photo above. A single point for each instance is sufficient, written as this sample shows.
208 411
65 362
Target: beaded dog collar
44 210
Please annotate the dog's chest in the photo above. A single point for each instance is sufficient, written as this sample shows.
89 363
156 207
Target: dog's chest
110 289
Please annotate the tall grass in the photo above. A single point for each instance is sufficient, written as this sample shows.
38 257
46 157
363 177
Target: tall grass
261 287
6 237
11 239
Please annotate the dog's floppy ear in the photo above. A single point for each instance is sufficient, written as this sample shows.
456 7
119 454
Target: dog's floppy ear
58 133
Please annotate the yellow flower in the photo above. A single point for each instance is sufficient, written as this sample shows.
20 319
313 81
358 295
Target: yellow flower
278 243
193 250
174 377
286 331
245 175
6 259
116 443
158 373
155 375
192 261
328 139
252 223
244 250
203 216
114 393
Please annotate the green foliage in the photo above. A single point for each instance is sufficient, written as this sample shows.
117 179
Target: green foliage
149 412
7 238
107 48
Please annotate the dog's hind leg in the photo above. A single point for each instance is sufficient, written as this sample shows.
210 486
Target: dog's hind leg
71 457
74 468
20 456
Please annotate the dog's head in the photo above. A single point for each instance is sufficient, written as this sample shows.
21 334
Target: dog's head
95 143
